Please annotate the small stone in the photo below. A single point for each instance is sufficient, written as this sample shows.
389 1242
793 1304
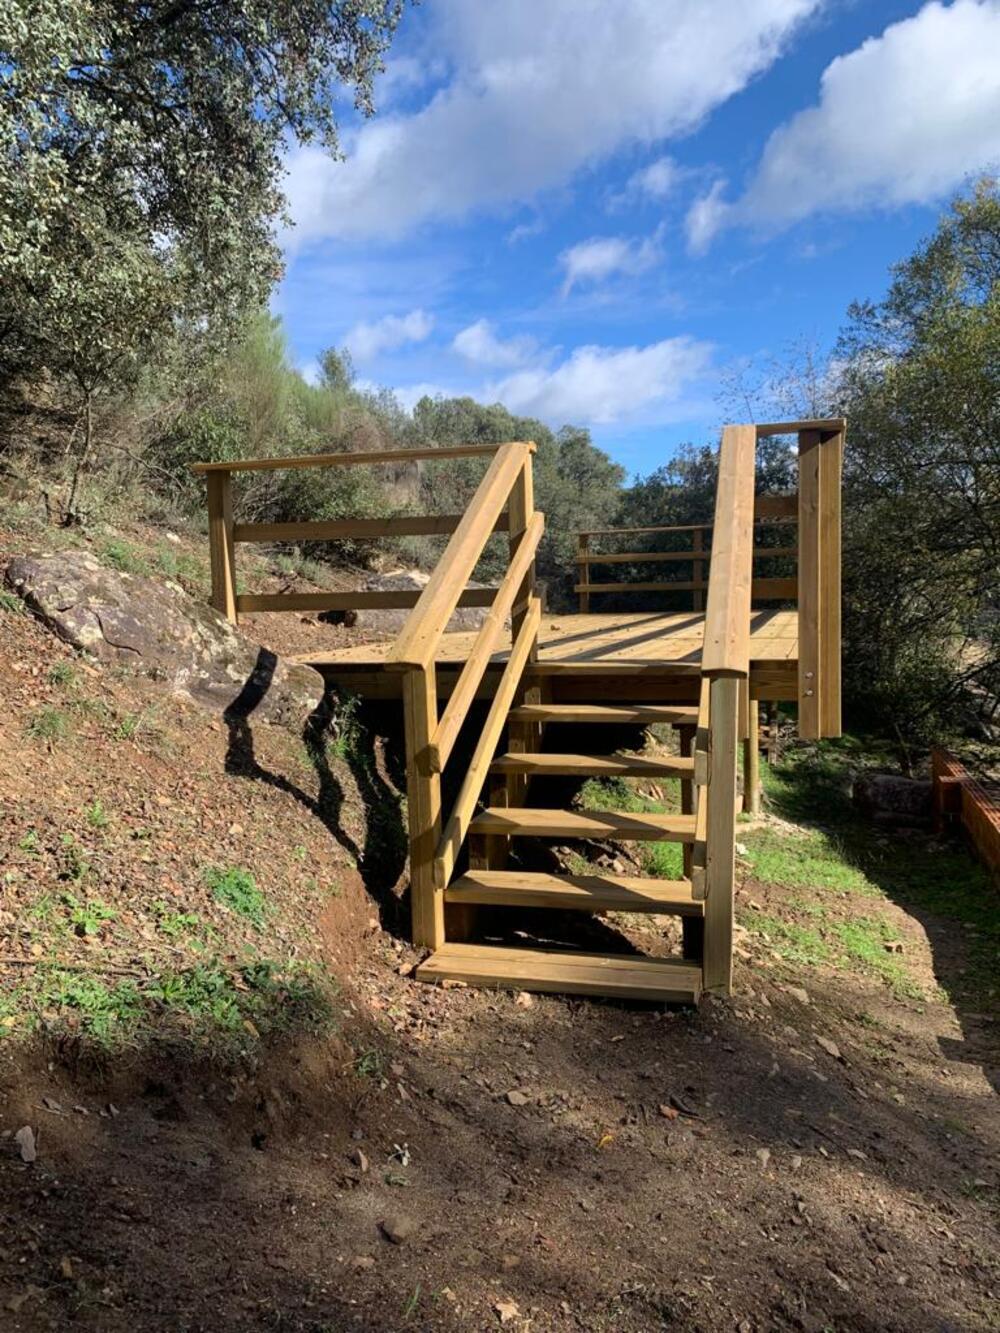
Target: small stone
517 1098
507 1311
360 1160
741 849
856 1152
25 1140
829 1046
763 1156
398 1228
796 1162
524 1000
797 993
363 1261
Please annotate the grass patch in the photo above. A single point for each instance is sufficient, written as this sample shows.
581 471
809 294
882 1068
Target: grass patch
62 674
123 556
49 725
88 918
12 604
237 891
96 815
863 941
812 859
794 943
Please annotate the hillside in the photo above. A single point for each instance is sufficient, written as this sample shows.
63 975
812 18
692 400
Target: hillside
246 1115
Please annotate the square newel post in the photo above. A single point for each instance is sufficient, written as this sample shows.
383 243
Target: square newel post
720 852
423 804
221 548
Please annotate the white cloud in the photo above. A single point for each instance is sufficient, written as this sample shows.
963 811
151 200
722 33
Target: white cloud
524 230
368 339
601 257
479 344
903 119
538 90
607 384
656 180
705 217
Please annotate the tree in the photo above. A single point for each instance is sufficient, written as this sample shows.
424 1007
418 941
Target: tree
140 166
920 384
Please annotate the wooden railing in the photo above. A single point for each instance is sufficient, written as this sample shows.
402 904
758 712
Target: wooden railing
430 735
224 535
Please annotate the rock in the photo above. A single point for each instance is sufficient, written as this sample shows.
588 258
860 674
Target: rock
517 1098
154 625
525 999
507 1311
763 1156
830 1047
25 1140
740 848
363 1261
360 1161
797 993
889 798
398 1228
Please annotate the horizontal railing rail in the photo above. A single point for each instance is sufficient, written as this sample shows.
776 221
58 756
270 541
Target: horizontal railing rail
224 534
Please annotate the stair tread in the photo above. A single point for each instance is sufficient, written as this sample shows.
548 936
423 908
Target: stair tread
679 714
595 765
515 821
589 893
621 975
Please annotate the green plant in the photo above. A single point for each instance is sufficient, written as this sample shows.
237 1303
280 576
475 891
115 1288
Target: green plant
95 814
124 557
75 865
131 726
29 842
174 924
48 724
12 604
62 674
369 1064
347 729
237 891
89 917
795 943
106 1011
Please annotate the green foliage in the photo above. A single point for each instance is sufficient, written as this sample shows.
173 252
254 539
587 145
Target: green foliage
108 1011
175 924
12 604
96 815
121 555
62 674
236 890
88 918
48 724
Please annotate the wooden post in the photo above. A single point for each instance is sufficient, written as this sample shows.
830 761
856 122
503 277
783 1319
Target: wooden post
810 563
751 759
220 543
584 540
520 511
423 800
698 569
830 469
720 861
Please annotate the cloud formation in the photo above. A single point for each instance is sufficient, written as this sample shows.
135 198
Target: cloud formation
479 344
531 100
602 257
903 119
367 340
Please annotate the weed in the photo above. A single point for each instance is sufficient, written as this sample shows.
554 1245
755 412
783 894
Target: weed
62 674
96 815
174 924
12 604
48 724
664 860
237 890
796 944
347 729
369 1064
105 1011
813 860
122 556
29 842
89 917
131 726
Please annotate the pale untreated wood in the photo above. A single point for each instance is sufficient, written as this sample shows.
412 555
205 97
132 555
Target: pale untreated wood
668 714
423 804
727 616
529 822
833 425
419 637
720 868
373 457
586 893
402 525
583 555
596 765
830 467
698 568
775 508
220 544
614 532
522 516
665 980
478 769
489 634
679 586
351 601
810 592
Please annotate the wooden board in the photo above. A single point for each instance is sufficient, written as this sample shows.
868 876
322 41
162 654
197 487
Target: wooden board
514 821
594 765
667 714
561 972
584 893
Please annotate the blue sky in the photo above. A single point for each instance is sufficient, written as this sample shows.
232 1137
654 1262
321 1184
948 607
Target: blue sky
603 212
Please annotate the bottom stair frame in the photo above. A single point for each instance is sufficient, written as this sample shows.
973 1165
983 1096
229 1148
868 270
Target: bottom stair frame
618 976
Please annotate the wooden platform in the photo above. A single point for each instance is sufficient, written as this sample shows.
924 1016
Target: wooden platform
623 643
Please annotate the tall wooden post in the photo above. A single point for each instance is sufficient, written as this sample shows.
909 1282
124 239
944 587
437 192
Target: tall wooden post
820 463
423 802
720 854
751 754
698 568
584 568
221 549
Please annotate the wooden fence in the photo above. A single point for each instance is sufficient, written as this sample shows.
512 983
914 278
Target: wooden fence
961 797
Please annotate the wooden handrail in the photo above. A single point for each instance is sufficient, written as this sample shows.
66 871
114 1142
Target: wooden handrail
348 459
613 532
657 557
462 695
475 775
727 615
827 425
327 530
419 637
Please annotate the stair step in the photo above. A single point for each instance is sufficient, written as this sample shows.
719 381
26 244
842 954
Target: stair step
587 893
622 976
595 765
515 822
675 714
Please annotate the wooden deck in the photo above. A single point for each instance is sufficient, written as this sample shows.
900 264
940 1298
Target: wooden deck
619 643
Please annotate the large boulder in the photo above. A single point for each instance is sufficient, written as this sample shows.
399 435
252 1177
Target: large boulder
154 625
889 798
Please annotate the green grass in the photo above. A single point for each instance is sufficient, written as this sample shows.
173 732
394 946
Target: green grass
88 918
12 604
664 860
62 674
175 924
48 724
124 557
794 943
237 891
810 859
863 941
96 815
130 726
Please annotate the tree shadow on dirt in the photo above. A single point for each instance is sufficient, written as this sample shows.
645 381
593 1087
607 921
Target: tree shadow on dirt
381 859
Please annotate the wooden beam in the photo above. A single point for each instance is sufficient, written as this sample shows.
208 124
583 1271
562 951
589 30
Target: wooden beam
827 425
720 859
784 590
371 458
771 508
351 601
679 586
727 617
423 804
810 563
583 555
402 525
419 637
830 467
221 551
614 532
698 569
